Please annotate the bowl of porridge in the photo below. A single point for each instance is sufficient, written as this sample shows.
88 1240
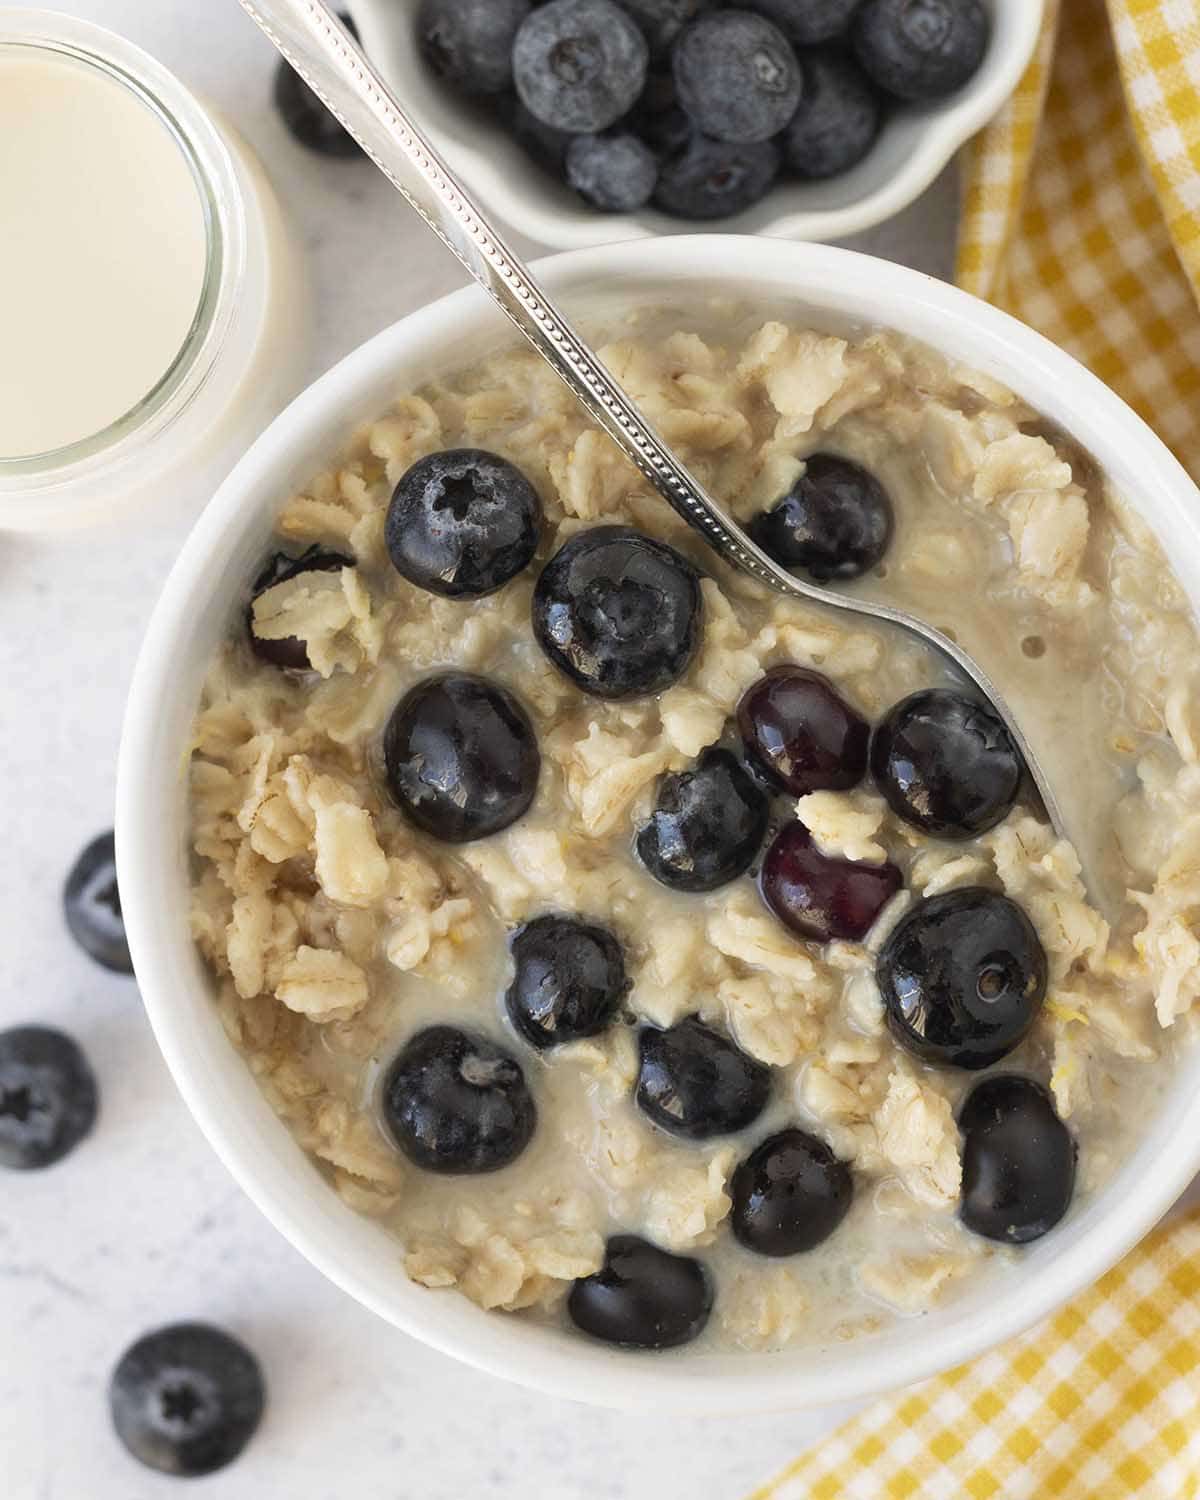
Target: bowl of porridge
629 981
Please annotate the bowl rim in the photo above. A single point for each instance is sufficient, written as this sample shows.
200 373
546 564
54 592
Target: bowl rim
520 199
151 776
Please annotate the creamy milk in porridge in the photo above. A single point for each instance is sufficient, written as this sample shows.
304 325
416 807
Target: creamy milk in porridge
338 929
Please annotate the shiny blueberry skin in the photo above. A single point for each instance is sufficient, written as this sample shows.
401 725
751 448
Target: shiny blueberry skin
661 21
579 65
921 49
707 826
306 118
819 897
92 906
962 976
186 1399
462 522
808 22
715 179
618 613
457 1104
615 173
696 1083
832 130
291 652
1018 1160
48 1097
834 523
568 982
737 77
789 1194
799 731
468 43
642 1297
461 757
946 764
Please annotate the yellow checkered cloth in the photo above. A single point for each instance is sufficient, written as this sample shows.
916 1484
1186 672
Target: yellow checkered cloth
1101 1402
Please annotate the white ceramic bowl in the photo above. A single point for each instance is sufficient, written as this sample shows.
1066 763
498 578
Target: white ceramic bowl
203 600
912 149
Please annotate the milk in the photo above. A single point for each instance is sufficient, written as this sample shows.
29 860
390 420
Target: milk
103 250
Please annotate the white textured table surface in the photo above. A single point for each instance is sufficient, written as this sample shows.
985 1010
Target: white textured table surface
142 1225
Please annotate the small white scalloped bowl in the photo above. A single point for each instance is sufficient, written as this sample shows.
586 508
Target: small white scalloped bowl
203 600
914 146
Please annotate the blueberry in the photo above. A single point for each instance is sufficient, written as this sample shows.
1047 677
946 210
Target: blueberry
820 897
1018 1160
834 522
92 906
618 613
657 118
946 764
291 652
642 1297
186 1399
707 826
661 21
808 22
462 522
468 43
696 1083
461 757
306 118
615 173
48 1097
789 1194
579 65
962 976
541 142
832 130
715 179
737 76
802 733
921 49
568 982
455 1103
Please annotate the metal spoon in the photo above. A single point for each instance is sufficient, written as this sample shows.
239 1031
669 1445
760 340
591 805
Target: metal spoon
321 50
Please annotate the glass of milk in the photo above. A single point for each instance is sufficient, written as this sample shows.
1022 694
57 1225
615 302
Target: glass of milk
153 312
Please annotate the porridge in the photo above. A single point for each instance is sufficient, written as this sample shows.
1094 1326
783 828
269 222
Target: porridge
653 952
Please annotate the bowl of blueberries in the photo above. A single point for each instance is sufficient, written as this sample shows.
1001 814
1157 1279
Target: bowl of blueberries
582 122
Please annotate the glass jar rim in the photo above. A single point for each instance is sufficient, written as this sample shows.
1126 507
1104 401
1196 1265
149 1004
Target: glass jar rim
215 176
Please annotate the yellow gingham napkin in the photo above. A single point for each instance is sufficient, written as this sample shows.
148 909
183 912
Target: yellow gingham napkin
1081 215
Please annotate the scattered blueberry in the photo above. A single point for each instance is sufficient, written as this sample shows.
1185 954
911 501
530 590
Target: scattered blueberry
642 1297
707 826
798 730
696 1083
92 906
714 179
468 43
568 983
833 128
834 523
618 613
820 897
921 49
186 1399
461 756
579 65
737 76
661 21
807 22
1018 1160
963 977
789 1194
462 522
306 118
48 1097
291 652
613 172
455 1103
946 763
